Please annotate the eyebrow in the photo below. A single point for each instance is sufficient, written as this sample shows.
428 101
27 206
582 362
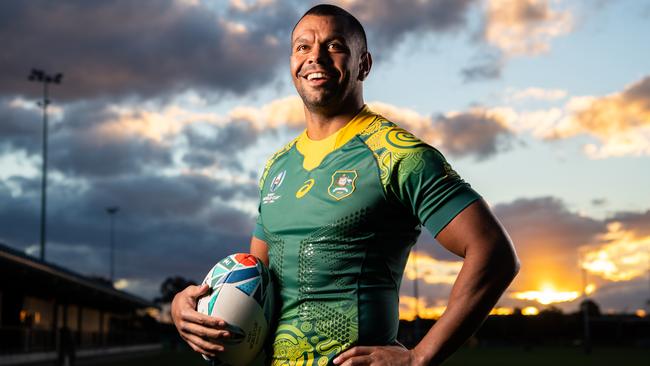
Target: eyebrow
336 37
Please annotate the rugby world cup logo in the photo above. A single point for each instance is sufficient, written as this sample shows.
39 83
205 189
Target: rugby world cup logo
342 184
275 183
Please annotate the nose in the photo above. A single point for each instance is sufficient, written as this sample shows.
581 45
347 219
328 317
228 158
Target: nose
318 54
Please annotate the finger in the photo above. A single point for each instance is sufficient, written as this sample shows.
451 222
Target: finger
352 352
358 361
198 291
204 332
193 316
205 347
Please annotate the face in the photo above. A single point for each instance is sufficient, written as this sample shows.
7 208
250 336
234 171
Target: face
327 64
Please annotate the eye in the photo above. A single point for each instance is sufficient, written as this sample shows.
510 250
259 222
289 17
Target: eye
335 46
301 47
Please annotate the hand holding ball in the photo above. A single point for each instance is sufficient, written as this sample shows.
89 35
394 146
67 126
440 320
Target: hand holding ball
242 295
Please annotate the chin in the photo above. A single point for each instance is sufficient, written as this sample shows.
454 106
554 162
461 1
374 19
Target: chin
321 101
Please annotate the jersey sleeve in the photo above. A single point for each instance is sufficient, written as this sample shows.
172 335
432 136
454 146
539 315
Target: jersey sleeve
258 231
425 184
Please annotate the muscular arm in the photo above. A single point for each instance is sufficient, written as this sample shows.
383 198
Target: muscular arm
260 250
490 265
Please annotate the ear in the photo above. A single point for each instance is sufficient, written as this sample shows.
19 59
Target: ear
365 65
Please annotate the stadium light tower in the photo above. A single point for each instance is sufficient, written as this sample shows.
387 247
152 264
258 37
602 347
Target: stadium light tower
41 76
111 213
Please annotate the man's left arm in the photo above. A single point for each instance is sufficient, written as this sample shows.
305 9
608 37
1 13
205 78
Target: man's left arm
489 266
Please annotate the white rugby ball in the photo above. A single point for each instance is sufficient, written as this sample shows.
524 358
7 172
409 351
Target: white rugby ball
242 295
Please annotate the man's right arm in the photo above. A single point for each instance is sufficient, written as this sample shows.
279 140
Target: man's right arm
260 249
203 333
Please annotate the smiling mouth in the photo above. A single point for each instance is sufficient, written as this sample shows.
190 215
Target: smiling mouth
316 76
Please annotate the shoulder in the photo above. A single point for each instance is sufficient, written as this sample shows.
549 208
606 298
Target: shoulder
277 155
399 153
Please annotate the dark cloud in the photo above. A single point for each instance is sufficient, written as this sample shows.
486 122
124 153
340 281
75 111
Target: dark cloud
237 134
166 224
90 155
20 128
599 201
389 21
154 48
547 237
547 219
473 133
639 222
488 67
76 145
210 144
626 297
120 48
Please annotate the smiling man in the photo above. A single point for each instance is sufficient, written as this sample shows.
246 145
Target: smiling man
340 208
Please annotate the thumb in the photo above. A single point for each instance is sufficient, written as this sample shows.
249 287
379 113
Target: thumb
198 291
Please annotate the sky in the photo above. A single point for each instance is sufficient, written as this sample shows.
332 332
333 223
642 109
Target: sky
168 109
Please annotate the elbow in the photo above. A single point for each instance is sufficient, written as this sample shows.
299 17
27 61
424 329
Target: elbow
516 265
506 261
511 262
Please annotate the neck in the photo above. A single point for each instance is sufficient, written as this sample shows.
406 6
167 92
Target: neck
322 123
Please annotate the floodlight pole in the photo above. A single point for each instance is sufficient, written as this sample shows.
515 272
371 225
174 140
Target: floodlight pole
111 213
42 77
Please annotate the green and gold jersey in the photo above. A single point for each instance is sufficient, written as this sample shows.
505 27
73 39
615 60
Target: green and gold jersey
339 217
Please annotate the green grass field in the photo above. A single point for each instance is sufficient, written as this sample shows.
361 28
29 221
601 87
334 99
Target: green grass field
466 357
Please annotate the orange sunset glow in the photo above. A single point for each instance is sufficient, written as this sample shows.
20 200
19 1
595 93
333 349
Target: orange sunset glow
547 295
430 270
622 257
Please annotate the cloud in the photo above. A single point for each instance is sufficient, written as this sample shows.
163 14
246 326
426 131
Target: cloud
537 94
619 122
431 270
409 307
547 235
132 48
621 255
390 21
20 125
486 66
524 27
166 224
513 28
480 133
553 244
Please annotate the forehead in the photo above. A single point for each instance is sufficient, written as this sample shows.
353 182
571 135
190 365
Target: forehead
322 26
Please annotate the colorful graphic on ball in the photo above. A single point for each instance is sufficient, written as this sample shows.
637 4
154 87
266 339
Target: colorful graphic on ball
242 295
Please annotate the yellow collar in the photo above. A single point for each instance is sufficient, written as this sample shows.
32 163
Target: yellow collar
314 151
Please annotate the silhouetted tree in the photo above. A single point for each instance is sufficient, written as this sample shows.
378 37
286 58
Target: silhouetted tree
591 307
170 287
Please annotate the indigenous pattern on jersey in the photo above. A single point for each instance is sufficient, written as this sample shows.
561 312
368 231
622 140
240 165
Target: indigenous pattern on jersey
339 216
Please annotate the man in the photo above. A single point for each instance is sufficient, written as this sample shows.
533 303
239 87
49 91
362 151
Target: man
340 208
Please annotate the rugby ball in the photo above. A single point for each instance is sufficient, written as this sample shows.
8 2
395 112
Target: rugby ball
242 295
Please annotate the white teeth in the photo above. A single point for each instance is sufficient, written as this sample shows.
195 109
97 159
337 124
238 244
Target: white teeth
315 75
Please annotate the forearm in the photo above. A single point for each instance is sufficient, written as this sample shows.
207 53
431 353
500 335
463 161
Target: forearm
478 287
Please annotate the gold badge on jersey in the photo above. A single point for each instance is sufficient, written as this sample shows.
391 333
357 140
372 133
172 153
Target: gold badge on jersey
305 188
342 184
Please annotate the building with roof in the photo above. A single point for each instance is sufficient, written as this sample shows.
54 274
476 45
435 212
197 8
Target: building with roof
44 307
